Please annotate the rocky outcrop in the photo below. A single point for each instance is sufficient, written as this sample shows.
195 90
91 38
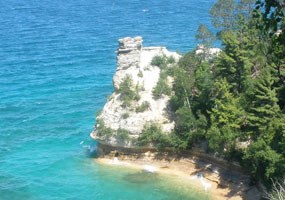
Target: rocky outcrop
124 117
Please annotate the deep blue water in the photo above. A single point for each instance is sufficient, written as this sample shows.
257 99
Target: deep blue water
57 59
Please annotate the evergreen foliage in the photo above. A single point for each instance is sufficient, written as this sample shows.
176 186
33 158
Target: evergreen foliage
152 135
161 87
236 101
122 135
204 36
127 91
159 61
102 130
143 107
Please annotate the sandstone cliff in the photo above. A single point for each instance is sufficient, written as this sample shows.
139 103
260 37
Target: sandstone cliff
133 104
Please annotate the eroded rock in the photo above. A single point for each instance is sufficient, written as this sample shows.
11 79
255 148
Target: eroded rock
134 61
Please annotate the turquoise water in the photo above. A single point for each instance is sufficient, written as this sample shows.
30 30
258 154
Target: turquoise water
57 59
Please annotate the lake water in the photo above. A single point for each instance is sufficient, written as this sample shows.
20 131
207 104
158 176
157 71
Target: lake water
57 59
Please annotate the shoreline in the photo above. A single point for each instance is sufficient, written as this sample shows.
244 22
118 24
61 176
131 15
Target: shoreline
197 175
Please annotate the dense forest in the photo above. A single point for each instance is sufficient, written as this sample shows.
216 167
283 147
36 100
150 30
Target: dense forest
233 103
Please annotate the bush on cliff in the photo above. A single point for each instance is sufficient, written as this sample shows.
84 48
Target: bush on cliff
161 87
102 130
153 136
159 61
127 92
143 107
162 61
122 135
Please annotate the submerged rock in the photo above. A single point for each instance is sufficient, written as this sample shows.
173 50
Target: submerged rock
132 104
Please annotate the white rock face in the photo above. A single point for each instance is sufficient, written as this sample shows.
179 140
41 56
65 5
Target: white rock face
134 61
210 52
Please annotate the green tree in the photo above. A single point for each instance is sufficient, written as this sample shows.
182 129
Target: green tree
203 88
182 88
223 15
206 39
273 24
226 119
272 13
234 63
188 127
204 36
246 8
264 163
189 62
263 108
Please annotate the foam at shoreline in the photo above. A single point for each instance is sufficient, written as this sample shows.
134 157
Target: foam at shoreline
187 177
185 187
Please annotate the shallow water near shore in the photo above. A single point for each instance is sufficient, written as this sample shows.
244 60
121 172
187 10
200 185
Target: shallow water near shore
146 185
57 59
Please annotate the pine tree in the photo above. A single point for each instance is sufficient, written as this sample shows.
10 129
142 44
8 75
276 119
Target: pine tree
203 87
264 108
234 63
226 119
263 162
223 14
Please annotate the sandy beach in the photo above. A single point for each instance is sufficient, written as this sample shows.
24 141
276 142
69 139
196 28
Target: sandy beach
200 175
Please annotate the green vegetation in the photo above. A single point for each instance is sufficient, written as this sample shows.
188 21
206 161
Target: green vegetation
102 130
159 61
125 115
140 74
152 135
162 61
167 67
143 107
170 60
127 91
122 135
235 102
161 87
205 36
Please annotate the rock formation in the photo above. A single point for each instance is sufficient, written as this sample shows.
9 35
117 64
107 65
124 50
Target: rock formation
132 104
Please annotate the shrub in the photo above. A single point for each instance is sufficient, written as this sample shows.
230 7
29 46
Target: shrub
170 71
102 130
147 68
143 107
125 115
152 135
170 60
123 135
161 87
127 92
159 61
140 74
139 88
